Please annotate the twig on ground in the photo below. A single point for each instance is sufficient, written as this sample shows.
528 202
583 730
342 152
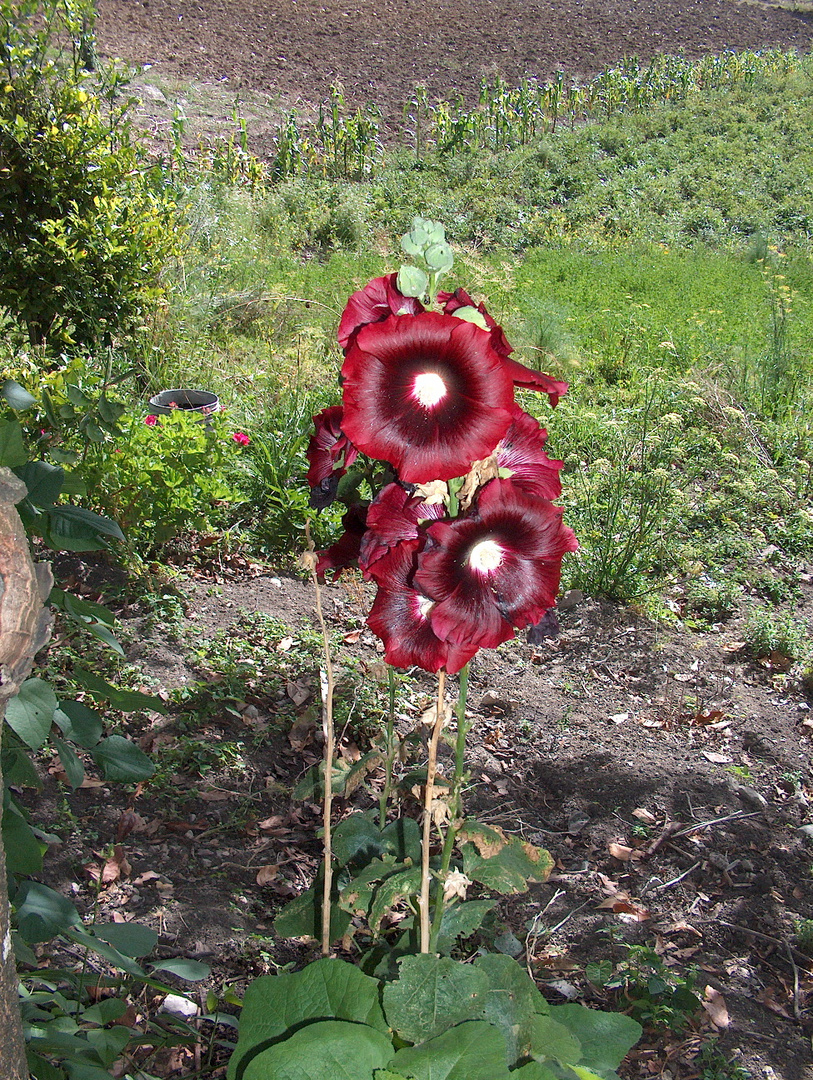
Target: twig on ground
676 880
797 1009
767 937
736 816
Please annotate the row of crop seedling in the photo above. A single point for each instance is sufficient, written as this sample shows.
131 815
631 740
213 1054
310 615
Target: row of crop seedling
341 143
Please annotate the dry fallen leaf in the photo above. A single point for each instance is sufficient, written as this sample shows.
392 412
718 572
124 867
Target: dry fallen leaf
352 637
215 796
644 815
266 874
717 759
622 852
298 691
716 1007
285 644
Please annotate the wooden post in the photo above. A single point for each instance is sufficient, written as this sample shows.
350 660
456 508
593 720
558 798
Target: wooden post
25 625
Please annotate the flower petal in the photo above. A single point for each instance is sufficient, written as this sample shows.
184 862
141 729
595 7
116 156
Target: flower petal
393 518
426 393
379 299
330 454
521 451
345 551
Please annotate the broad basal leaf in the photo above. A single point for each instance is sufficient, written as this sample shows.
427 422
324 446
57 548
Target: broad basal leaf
605 1037
329 1050
31 712
511 1004
121 760
324 990
431 994
470 1051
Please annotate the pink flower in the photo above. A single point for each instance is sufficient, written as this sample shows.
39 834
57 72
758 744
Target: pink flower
151 420
426 393
378 300
495 568
401 616
393 519
241 438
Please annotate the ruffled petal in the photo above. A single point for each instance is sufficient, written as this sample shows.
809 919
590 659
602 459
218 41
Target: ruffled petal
379 299
521 452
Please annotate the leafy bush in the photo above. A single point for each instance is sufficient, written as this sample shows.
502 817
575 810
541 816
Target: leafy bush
83 235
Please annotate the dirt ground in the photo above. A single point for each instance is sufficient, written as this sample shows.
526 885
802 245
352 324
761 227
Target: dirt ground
668 774
290 53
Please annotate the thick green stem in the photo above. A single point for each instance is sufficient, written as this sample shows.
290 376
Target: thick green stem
455 805
384 798
431 769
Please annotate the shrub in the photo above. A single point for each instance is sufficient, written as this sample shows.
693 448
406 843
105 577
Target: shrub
83 236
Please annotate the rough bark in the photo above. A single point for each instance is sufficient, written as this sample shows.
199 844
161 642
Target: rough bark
25 625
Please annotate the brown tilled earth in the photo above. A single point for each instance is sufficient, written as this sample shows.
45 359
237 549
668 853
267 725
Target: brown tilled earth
667 772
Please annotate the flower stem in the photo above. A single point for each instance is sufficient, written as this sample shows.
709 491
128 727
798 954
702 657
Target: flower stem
455 805
385 792
431 770
309 560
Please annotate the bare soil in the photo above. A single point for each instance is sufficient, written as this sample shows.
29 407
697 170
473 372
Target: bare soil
667 773
209 52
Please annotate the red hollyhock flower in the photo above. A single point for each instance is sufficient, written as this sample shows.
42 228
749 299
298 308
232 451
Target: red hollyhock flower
378 300
400 616
330 454
496 568
393 519
525 377
427 394
345 552
520 451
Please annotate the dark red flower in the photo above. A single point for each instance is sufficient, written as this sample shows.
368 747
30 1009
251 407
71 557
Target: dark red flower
520 452
525 377
427 394
345 552
400 616
393 518
330 454
378 300
495 568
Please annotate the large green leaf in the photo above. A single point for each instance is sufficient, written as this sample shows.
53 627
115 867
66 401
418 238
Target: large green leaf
552 1041
190 970
72 528
431 994
502 863
511 1004
12 451
302 917
132 939
17 396
392 891
121 760
328 1050
109 952
535 1070
470 1051
18 770
31 713
324 990
460 921
43 481
23 850
43 913
124 700
74 769
605 1037
80 724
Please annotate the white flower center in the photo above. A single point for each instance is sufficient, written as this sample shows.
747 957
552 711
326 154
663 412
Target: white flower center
429 388
425 605
485 556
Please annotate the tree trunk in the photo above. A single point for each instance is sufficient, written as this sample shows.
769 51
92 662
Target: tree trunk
24 628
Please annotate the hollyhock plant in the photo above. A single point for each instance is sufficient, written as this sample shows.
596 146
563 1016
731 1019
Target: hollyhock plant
426 393
495 568
463 541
